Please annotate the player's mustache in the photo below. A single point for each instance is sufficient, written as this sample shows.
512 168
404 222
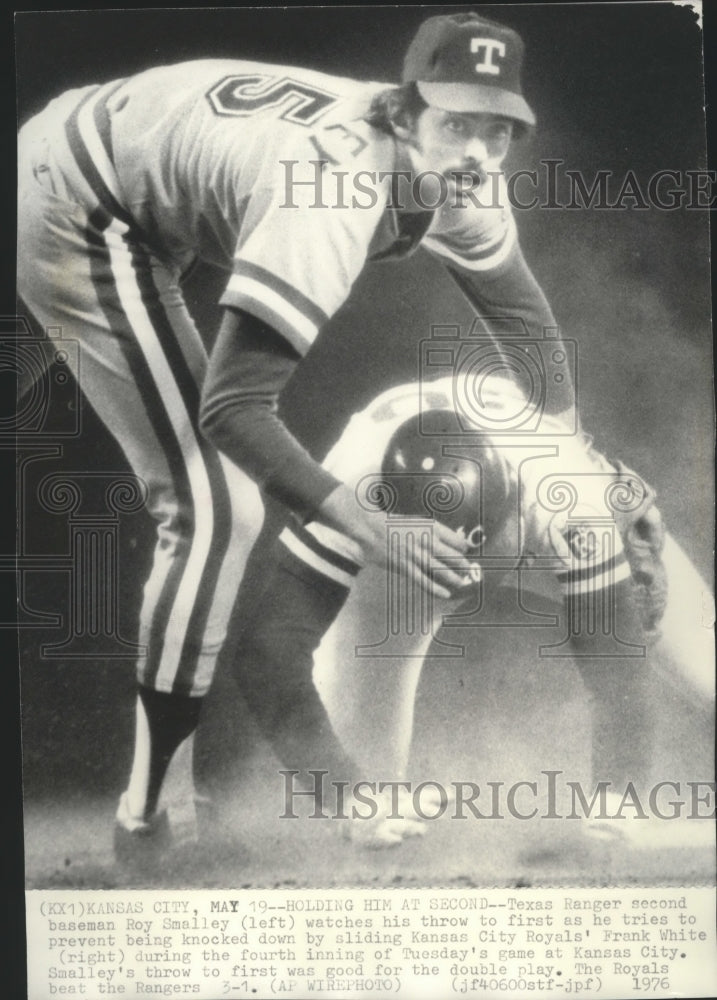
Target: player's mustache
468 176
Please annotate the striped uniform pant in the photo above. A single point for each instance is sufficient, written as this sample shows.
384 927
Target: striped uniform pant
141 364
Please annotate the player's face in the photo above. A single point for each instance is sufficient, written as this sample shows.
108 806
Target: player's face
448 142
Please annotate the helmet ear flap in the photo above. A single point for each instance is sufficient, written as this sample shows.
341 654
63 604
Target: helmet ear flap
465 484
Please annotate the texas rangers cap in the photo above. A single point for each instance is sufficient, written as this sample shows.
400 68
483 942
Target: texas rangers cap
463 62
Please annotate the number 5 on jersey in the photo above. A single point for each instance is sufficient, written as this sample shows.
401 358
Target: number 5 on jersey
247 93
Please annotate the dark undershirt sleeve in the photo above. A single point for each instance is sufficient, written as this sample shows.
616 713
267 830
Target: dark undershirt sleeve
248 367
508 299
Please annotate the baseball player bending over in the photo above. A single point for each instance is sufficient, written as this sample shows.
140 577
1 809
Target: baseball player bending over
254 168
529 504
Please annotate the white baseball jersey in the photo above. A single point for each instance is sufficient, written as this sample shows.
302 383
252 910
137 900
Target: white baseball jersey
565 504
269 171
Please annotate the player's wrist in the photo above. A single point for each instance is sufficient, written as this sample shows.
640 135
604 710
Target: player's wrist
340 510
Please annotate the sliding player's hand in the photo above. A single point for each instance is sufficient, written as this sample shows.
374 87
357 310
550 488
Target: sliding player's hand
425 551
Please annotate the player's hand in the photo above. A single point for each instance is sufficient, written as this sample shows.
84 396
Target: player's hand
441 569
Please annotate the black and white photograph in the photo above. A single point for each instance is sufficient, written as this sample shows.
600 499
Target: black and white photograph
365 465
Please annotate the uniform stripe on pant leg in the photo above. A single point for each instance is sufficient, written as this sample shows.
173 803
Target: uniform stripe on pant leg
182 598
104 280
124 270
220 499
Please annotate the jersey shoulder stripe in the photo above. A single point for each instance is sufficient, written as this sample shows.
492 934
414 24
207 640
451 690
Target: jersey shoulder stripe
276 302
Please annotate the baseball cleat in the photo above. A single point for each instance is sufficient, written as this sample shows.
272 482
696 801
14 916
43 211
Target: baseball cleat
379 833
137 842
648 832
385 829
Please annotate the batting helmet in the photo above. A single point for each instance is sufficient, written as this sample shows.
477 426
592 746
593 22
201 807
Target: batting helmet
463 487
